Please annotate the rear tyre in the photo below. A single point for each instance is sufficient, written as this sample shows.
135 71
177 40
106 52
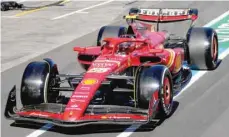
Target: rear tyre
203 48
37 80
110 32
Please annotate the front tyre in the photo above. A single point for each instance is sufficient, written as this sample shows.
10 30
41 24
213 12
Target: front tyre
37 80
155 80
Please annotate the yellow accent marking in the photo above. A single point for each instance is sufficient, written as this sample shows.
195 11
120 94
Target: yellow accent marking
129 61
171 58
131 16
178 63
29 11
64 1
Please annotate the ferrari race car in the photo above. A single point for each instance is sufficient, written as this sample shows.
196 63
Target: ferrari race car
131 75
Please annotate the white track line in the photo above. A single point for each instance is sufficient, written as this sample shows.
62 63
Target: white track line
198 75
129 130
40 131
81 10
9 17
217 19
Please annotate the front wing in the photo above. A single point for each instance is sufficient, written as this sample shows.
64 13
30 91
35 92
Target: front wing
95 114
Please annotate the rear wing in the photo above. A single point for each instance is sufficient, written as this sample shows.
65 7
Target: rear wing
161 15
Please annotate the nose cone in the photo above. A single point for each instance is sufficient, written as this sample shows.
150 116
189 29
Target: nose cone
87 88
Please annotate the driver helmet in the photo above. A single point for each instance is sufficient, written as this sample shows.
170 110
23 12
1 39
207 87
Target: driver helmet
124 46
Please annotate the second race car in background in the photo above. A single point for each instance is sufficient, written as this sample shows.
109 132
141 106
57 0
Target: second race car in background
130 76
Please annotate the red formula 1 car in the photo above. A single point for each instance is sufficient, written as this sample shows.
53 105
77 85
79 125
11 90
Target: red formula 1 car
130 77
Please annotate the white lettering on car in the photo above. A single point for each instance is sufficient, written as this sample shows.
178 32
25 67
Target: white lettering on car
98 70
79 96
102 65
38 114
74 106
84 93
76 100
166 12
117 117
84 88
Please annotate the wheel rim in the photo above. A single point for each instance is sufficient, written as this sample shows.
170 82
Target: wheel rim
46 89
167 92
52 94
214 50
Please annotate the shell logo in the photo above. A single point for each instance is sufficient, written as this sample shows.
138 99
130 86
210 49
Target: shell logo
104 117
70 113
89 81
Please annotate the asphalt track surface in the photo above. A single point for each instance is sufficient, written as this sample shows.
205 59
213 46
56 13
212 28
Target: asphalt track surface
202 110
